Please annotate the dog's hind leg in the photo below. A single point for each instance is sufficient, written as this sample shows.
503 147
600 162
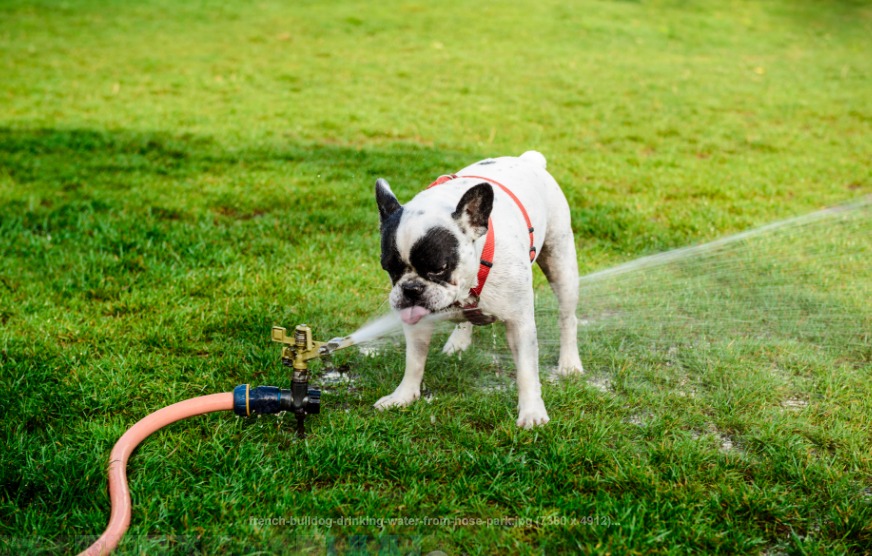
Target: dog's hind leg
560 265
459 340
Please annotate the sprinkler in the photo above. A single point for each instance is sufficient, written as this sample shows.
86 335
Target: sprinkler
301 400
297 351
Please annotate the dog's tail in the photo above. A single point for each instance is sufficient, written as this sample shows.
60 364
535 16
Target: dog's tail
535 157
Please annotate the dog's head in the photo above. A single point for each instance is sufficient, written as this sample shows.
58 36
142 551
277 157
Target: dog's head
427 247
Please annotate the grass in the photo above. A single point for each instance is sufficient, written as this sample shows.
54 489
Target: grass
176 179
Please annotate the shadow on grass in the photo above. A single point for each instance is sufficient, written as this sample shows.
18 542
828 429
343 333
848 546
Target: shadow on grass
69 160
55 178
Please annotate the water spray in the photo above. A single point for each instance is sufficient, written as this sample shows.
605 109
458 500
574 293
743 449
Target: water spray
301 400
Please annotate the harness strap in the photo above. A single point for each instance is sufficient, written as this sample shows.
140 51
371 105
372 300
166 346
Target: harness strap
486 262
442 179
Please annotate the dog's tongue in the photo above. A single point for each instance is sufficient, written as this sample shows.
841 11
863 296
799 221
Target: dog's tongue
411 315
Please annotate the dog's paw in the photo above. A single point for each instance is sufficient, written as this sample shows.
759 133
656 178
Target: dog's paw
400 398
532 415
570 366
459 340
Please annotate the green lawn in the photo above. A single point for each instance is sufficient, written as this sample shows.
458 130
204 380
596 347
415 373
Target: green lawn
176 178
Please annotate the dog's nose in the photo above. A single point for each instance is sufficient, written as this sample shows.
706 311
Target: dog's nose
413 290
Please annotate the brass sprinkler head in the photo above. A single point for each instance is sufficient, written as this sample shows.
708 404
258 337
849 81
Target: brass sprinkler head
298 349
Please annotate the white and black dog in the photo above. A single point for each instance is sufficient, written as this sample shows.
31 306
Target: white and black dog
466 245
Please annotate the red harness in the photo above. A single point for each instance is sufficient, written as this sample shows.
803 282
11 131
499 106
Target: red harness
487 253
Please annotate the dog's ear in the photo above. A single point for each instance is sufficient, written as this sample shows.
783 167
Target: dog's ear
385 198
474 209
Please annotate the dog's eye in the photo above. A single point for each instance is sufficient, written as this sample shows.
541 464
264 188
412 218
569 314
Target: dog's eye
439 274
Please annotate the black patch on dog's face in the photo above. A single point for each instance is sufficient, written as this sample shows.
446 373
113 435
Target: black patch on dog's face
390 255
435 256
486 162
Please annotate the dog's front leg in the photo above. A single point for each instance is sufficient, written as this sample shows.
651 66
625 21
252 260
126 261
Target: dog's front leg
521 335
417 344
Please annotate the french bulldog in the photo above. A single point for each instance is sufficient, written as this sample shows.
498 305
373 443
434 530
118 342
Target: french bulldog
466 246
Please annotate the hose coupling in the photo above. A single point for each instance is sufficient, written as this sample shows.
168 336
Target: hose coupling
264 400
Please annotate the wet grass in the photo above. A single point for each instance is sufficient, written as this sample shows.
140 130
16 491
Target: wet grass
174 180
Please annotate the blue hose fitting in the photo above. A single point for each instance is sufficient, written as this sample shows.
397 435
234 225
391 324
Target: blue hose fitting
262 400
265 400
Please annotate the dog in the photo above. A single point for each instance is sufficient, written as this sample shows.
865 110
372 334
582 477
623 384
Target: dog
465 246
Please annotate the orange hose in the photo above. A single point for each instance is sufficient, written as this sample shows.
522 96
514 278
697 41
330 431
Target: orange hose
119 493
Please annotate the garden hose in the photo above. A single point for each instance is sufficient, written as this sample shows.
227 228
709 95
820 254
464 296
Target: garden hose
298 350
244 401
119 493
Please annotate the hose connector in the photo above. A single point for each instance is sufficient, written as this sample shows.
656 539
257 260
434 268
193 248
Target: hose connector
265 400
